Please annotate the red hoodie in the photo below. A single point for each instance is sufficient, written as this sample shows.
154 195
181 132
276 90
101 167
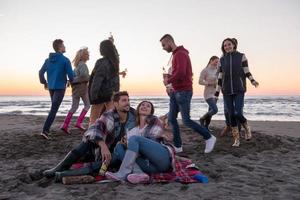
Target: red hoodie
181 78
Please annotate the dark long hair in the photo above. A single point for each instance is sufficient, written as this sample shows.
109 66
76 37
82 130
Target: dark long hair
211 59
138 108
232 40
109 51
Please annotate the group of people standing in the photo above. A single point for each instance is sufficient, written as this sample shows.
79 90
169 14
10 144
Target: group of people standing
136 142
95 90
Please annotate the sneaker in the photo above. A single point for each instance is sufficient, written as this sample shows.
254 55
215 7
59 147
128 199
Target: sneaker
210 144
178 149
45 135
138 178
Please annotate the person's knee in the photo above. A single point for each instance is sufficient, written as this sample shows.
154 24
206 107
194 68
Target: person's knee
119 148
215 110
238 114
73 109
186 121
134 138
56 104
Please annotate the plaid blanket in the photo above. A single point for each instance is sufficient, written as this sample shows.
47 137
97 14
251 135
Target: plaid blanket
183 173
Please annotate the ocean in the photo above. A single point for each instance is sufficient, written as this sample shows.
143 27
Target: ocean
262 108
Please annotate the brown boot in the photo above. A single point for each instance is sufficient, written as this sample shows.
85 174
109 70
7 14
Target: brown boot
236 136
225 130
248 134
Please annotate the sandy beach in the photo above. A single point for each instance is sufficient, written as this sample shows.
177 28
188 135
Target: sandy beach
267 167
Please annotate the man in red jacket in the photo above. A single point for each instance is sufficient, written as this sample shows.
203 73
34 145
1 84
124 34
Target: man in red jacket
180 97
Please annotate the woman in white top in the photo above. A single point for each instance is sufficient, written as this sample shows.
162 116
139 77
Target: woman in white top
147 149
208 78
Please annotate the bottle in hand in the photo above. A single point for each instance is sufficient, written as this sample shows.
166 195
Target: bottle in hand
103 169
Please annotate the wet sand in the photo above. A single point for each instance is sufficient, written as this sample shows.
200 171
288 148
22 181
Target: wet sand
267 167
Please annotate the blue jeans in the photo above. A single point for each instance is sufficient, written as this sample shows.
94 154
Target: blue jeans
235 106
181 102
56 99
153 156
212 106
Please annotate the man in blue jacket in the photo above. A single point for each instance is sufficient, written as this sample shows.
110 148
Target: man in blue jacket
58 67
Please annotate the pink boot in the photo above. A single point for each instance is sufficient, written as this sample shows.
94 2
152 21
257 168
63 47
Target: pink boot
80 120
65 126
138 178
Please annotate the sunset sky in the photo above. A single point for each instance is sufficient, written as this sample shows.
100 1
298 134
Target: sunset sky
268 33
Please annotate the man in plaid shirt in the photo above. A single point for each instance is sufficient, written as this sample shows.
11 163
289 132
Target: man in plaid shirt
103 135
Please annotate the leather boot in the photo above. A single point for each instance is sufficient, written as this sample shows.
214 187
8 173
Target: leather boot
65 126
80 120
236 136
125 168
248 134
65 164
207 122
203 118
93 168
225 130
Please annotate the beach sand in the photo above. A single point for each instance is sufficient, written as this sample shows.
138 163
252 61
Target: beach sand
267 167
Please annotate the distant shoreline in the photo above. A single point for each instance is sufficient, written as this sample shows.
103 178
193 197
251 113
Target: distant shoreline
287 128
164 95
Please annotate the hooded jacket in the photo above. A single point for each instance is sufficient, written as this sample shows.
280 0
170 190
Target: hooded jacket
181 77
58 67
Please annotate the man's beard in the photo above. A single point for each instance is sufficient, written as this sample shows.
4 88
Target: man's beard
125 110
169 50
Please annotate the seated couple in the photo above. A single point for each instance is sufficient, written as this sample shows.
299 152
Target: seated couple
146 150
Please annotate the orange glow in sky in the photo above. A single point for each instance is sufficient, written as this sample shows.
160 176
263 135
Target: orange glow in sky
27 33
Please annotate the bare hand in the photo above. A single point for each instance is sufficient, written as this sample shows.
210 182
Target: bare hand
169 90
105 153
168 136
123 73
46 86
111 38
255 83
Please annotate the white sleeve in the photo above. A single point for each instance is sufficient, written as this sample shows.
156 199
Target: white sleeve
132 132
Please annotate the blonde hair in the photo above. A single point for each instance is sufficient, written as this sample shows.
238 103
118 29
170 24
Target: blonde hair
79 55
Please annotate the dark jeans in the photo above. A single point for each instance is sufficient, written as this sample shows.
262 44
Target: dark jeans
212 106
226 114
56 99
85 153
235 106
181 102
